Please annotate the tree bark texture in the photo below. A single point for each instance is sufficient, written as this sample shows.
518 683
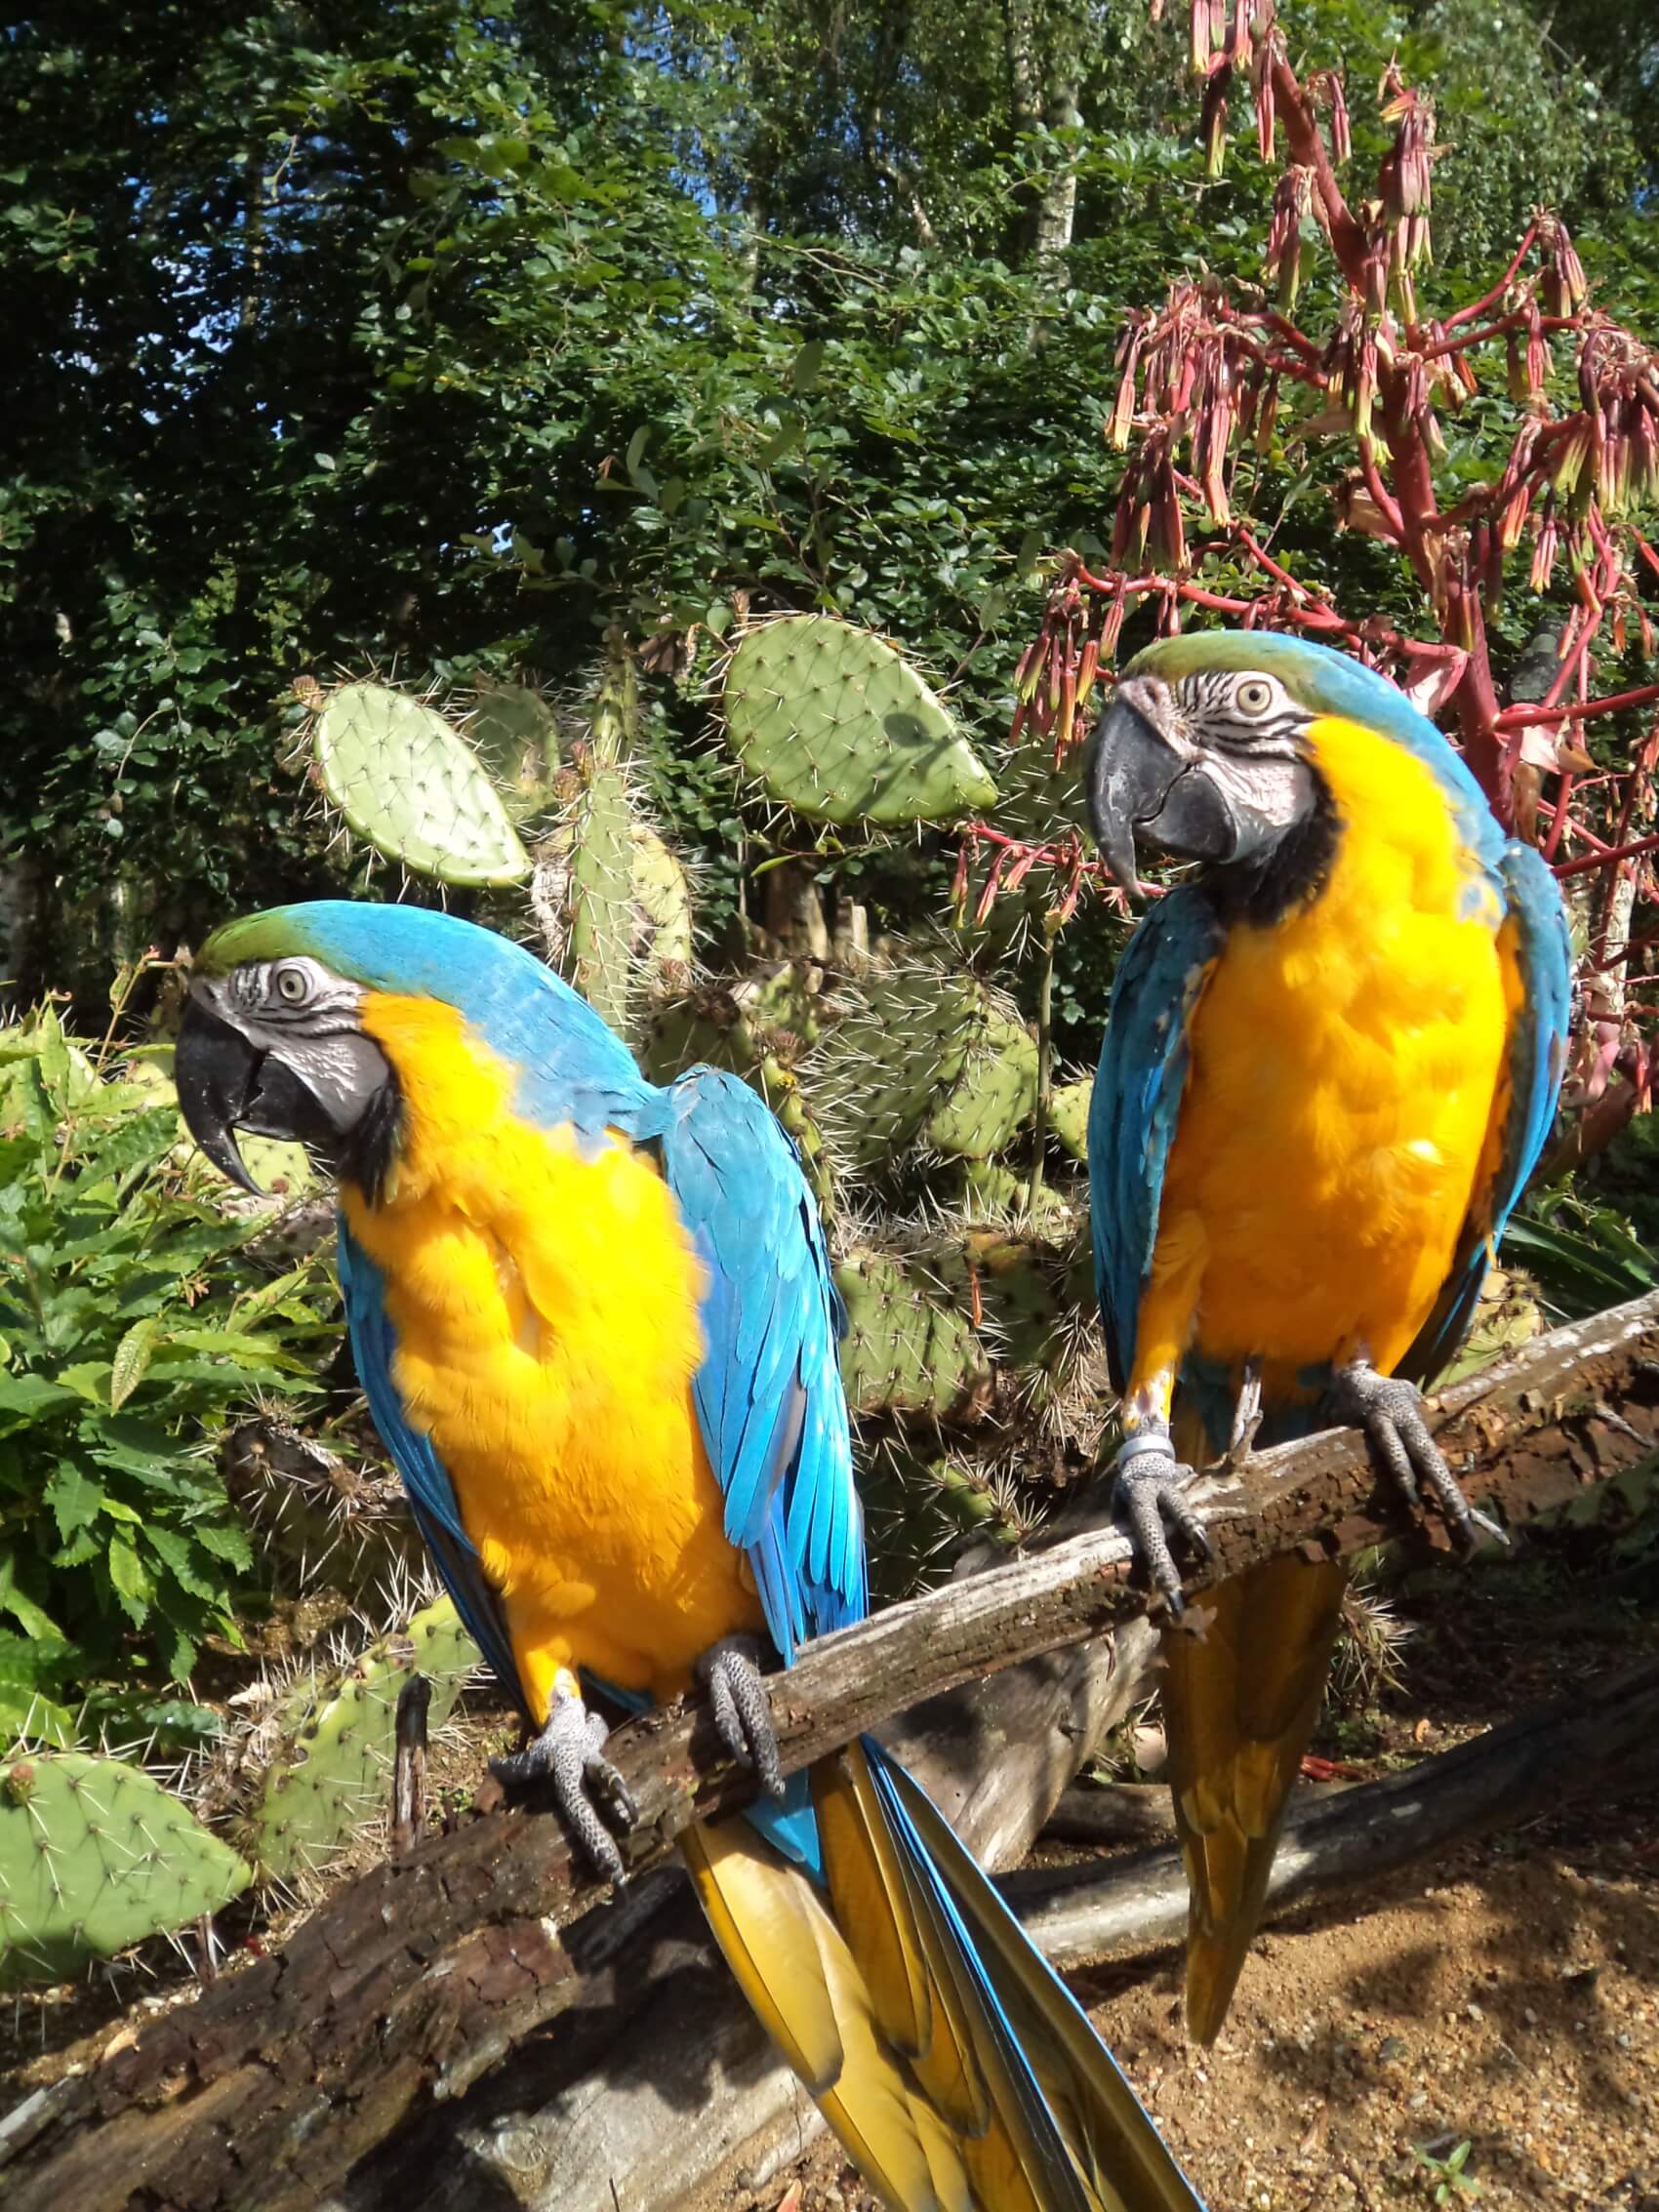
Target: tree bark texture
418 1978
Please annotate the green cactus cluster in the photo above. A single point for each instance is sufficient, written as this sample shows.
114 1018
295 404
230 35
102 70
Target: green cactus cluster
327 1750
836 725
906 1349
94 1855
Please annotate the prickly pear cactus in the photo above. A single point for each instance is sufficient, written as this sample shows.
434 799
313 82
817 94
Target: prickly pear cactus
515 733
331 1770
662 902
993 1191
1069 1116
837 726
412 788
96 1855
601 894
995 1095
883 1067
907 1349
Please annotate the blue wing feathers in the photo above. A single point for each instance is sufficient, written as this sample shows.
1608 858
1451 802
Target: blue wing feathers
1136 1102
432 1495
768 1394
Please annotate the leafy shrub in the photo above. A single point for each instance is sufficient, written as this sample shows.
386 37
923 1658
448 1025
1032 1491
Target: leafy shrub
133 1324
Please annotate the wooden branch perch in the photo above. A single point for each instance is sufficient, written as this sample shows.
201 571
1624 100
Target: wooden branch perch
414 1979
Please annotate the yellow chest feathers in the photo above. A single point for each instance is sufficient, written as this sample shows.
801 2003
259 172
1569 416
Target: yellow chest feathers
1346 1084
545 1301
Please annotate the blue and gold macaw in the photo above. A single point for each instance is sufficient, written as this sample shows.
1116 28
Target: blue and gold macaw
596 1329
1330 1062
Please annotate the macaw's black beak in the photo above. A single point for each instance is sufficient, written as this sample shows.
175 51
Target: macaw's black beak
1138 786
225 1084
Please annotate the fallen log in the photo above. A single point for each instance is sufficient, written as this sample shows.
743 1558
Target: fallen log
662 2075
416 1978
673 2105
1112 1812
1603 1738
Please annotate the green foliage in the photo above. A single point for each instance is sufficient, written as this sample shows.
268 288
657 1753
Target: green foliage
495 329
413 787
836 725
329 1771
1584 1257
96 1855
131 1327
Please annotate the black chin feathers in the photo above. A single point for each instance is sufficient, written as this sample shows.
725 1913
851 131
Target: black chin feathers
369 1154
1263 889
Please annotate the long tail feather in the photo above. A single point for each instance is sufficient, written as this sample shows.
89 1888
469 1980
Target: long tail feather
951 2061
1122 2161
1241 1691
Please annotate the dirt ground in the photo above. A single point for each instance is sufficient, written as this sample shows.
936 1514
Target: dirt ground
1510 2001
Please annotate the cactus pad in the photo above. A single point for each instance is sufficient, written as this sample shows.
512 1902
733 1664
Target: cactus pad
514 732
332 1771
837 726
906 1349
413 788
1069 1116
993 1098
883 1067
96 1855
661 905
601 894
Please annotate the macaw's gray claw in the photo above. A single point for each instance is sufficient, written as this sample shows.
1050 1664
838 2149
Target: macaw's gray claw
569 1758
1391 1413
1148 1497
742 1710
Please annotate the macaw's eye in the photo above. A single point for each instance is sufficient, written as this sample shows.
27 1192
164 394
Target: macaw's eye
1254 696
293 986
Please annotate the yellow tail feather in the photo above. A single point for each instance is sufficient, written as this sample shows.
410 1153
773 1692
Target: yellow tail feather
872 1997
1239 1700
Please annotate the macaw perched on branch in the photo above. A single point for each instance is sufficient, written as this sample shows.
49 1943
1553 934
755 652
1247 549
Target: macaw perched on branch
1330 1063
596 1328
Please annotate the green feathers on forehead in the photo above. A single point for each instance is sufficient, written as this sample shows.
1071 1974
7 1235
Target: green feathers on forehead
275 935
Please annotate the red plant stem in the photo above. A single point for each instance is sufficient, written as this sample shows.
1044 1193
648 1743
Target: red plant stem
1386 502
1511 321
1552 842
1522 717
1479 306
1283 327
1607 858
1307 147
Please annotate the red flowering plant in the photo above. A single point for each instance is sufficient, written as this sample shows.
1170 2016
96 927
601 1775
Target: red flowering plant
1207 378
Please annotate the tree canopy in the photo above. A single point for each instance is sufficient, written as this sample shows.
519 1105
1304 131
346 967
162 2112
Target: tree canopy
436 337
